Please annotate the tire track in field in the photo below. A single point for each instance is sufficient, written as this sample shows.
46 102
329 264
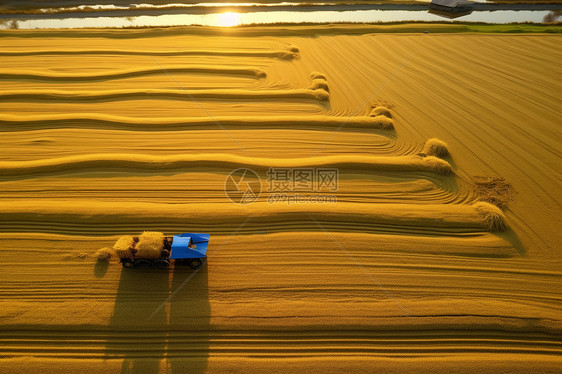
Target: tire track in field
275 344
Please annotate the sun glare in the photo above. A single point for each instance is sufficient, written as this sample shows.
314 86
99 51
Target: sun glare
229 19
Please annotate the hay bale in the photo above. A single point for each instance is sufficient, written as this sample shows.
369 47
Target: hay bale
322 95
150 245
104 254
123 245
438 165
317 75
435 147
319 84
124 242
492 215
285 55
381 111
382 122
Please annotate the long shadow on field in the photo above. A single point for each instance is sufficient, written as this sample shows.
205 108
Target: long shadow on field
510 236
189 321
151 335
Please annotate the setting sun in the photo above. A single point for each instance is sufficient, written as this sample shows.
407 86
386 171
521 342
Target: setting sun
229 19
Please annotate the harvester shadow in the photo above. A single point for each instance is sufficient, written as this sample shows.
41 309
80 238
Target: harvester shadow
451 162
511 237
150 335
100 268
188 321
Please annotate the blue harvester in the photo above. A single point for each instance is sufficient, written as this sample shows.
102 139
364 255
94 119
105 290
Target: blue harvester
186 248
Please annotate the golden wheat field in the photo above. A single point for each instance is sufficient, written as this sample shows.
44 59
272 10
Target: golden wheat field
441 254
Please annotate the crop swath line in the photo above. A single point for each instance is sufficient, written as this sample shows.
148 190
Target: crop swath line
279 53
104 121
121 74
160 94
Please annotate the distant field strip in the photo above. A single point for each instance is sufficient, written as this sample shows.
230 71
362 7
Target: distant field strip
280 54
134 163
106 218
121 74
161 94
104 121
278 31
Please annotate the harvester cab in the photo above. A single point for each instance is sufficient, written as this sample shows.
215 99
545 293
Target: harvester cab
189 248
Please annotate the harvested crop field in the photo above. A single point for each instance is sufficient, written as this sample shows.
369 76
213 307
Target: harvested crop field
441 253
